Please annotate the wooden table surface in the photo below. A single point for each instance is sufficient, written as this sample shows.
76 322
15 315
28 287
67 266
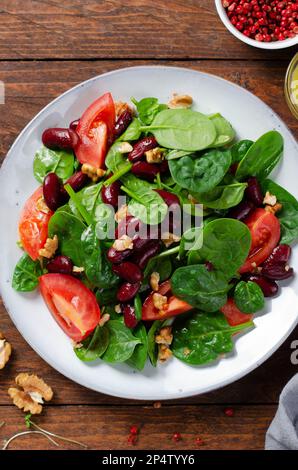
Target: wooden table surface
46 47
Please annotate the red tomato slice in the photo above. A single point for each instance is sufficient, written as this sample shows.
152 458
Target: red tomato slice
33 224
265 233
173 307
71 303
233 315
95 131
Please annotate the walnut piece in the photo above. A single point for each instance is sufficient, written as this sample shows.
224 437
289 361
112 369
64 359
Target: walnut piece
5 351
121 213
164 336
78 269
154 281
31 393
180 101
121 106
125 147
123 243
269 199
41 205
104 319
94 173
169 238
155 155
117 309
164 353
273 209
49 248
159 301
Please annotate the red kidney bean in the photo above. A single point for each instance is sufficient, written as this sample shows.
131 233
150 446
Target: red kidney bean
241 211
145 170
169 198
52 191
277 272
147 143
111 193
128 271
56 138
268 286
209 266
117 257
280 254
253 191
164 166
129 316
74 124
122 123
143 256
77 181
60 264
127 291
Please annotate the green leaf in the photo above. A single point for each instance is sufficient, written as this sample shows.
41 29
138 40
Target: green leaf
261 157
148 108
46 161
288 215
94 346
152 346
139 356
138 307
202 174
224 130
191 239
26 274
122 342
173 154
223 197
133 132
163 266
249 297
107 296
203 337
239 149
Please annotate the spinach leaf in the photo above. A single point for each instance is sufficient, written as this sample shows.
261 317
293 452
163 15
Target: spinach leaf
46 161
133 132
152 346
182 129
191 239
107 296
138 305
148 108
224 130
226 244
239 149
91 254
223 197
94 345
288 215
122 342
173 154
261 157
249 297
139 356
26 274
163 266
201 174
203 289
106 277
203 337
115 159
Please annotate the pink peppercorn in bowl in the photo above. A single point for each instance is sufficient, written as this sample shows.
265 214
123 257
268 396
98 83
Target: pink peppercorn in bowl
266 24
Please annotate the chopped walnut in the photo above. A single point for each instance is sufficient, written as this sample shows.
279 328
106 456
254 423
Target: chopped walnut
94 173
159 301
192 199
31 393
273 209
269 199
123 243
186 351
41 205
155 155
117 309
5 351
154 281
164 353
122 213
49 248
125 147
164 336
121 106
180 101
169 238
104 319
78 269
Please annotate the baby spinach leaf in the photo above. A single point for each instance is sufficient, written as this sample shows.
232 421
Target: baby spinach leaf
249 297
106 277
163 266
226 244
114 159
182 129
133 132
90 198
191 239
288 215
202 174
203 337
261 157
91 254
107 296
139 356
223 197
122 342
148 108
138 305
203 289
152 346
26 274
239 149
94 345
46 161
224 130
173 154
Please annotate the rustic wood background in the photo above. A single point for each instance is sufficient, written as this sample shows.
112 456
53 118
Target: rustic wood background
47 47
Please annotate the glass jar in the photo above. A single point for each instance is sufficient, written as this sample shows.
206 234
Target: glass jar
291 86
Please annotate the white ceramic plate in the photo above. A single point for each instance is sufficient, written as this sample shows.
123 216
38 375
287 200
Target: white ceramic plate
251 118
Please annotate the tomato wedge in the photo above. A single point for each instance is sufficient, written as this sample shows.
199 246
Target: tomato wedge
233 315
33 224
95 131
265 233
173 307
71 303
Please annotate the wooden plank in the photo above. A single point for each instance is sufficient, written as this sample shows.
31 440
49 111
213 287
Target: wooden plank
128 29
108 427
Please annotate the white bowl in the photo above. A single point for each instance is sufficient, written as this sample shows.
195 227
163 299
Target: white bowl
252 42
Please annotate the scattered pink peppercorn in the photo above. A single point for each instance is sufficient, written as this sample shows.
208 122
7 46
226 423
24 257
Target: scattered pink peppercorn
177 436
132 439
134 430
199 441
229 412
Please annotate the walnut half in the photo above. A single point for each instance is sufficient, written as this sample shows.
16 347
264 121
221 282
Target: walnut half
31 393
5 351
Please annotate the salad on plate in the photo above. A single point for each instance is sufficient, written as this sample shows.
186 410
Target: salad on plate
154 231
